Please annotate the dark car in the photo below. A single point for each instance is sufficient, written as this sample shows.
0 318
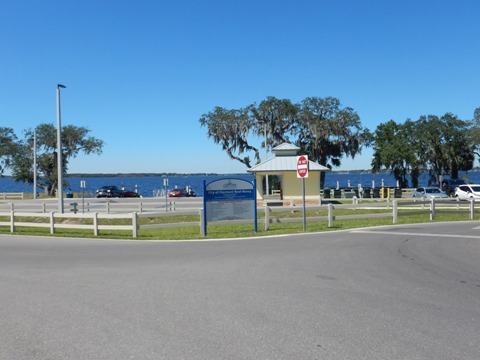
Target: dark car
130 194
449 186
113 191
108 192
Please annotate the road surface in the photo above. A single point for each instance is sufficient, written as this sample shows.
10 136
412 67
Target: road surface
399 292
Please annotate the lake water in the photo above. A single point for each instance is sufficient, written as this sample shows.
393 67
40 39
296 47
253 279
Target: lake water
150 186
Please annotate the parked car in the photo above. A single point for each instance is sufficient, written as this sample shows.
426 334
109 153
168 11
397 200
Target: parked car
449 185
468 191
130 194
181 192
108 192
113 191
429 192
177 193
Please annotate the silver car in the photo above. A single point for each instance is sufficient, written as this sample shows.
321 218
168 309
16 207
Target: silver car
429 192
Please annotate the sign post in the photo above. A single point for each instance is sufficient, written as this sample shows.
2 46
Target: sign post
302 173
82 185
165 184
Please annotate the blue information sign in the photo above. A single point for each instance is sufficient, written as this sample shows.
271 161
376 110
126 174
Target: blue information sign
229 199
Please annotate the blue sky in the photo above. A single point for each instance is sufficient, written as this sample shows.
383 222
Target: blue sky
140 74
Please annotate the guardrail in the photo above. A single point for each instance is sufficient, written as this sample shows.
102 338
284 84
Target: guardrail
109 207
11 195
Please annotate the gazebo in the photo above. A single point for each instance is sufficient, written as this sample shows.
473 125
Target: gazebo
284 165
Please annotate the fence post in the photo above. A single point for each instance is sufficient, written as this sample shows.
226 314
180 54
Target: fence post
52 223
108 207
330 215
202 223
432 209
395 211
12 207
472 208
95 223
44 207
12 221
135 224
267 218
140 207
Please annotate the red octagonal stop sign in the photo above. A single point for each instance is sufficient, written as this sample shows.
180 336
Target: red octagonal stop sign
302 166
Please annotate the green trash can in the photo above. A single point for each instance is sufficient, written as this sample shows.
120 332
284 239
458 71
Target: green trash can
397 193
367 193
376 193
326 193
337 193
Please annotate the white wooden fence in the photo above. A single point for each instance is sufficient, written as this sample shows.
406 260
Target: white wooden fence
90 220
11 195
109 207
393 209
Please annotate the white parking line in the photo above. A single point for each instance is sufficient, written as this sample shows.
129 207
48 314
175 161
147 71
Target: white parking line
415 234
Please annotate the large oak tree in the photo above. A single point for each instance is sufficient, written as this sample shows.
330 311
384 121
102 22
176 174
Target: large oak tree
324 129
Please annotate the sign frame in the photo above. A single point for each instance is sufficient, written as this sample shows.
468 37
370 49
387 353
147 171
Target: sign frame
229 199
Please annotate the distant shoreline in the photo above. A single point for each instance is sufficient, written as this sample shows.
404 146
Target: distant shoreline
75 175
168 174
87 175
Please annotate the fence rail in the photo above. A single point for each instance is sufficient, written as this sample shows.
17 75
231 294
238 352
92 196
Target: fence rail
11 195
109 206
90 220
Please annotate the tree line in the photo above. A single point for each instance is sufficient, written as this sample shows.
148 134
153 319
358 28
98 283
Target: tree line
322 128
327 131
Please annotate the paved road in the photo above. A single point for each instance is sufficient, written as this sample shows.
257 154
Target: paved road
405 292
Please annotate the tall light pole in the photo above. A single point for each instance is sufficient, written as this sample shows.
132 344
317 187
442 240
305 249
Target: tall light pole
266 154
59 152
35 164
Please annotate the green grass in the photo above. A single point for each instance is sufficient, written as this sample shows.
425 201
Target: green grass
216 231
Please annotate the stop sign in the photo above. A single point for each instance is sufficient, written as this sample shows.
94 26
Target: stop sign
302 166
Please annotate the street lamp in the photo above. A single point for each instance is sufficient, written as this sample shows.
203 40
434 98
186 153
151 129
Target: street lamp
35 164
266 154
59 152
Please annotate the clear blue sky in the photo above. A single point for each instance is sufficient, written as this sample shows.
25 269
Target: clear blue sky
140 74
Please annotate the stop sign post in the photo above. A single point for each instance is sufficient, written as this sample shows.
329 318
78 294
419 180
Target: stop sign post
302 173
